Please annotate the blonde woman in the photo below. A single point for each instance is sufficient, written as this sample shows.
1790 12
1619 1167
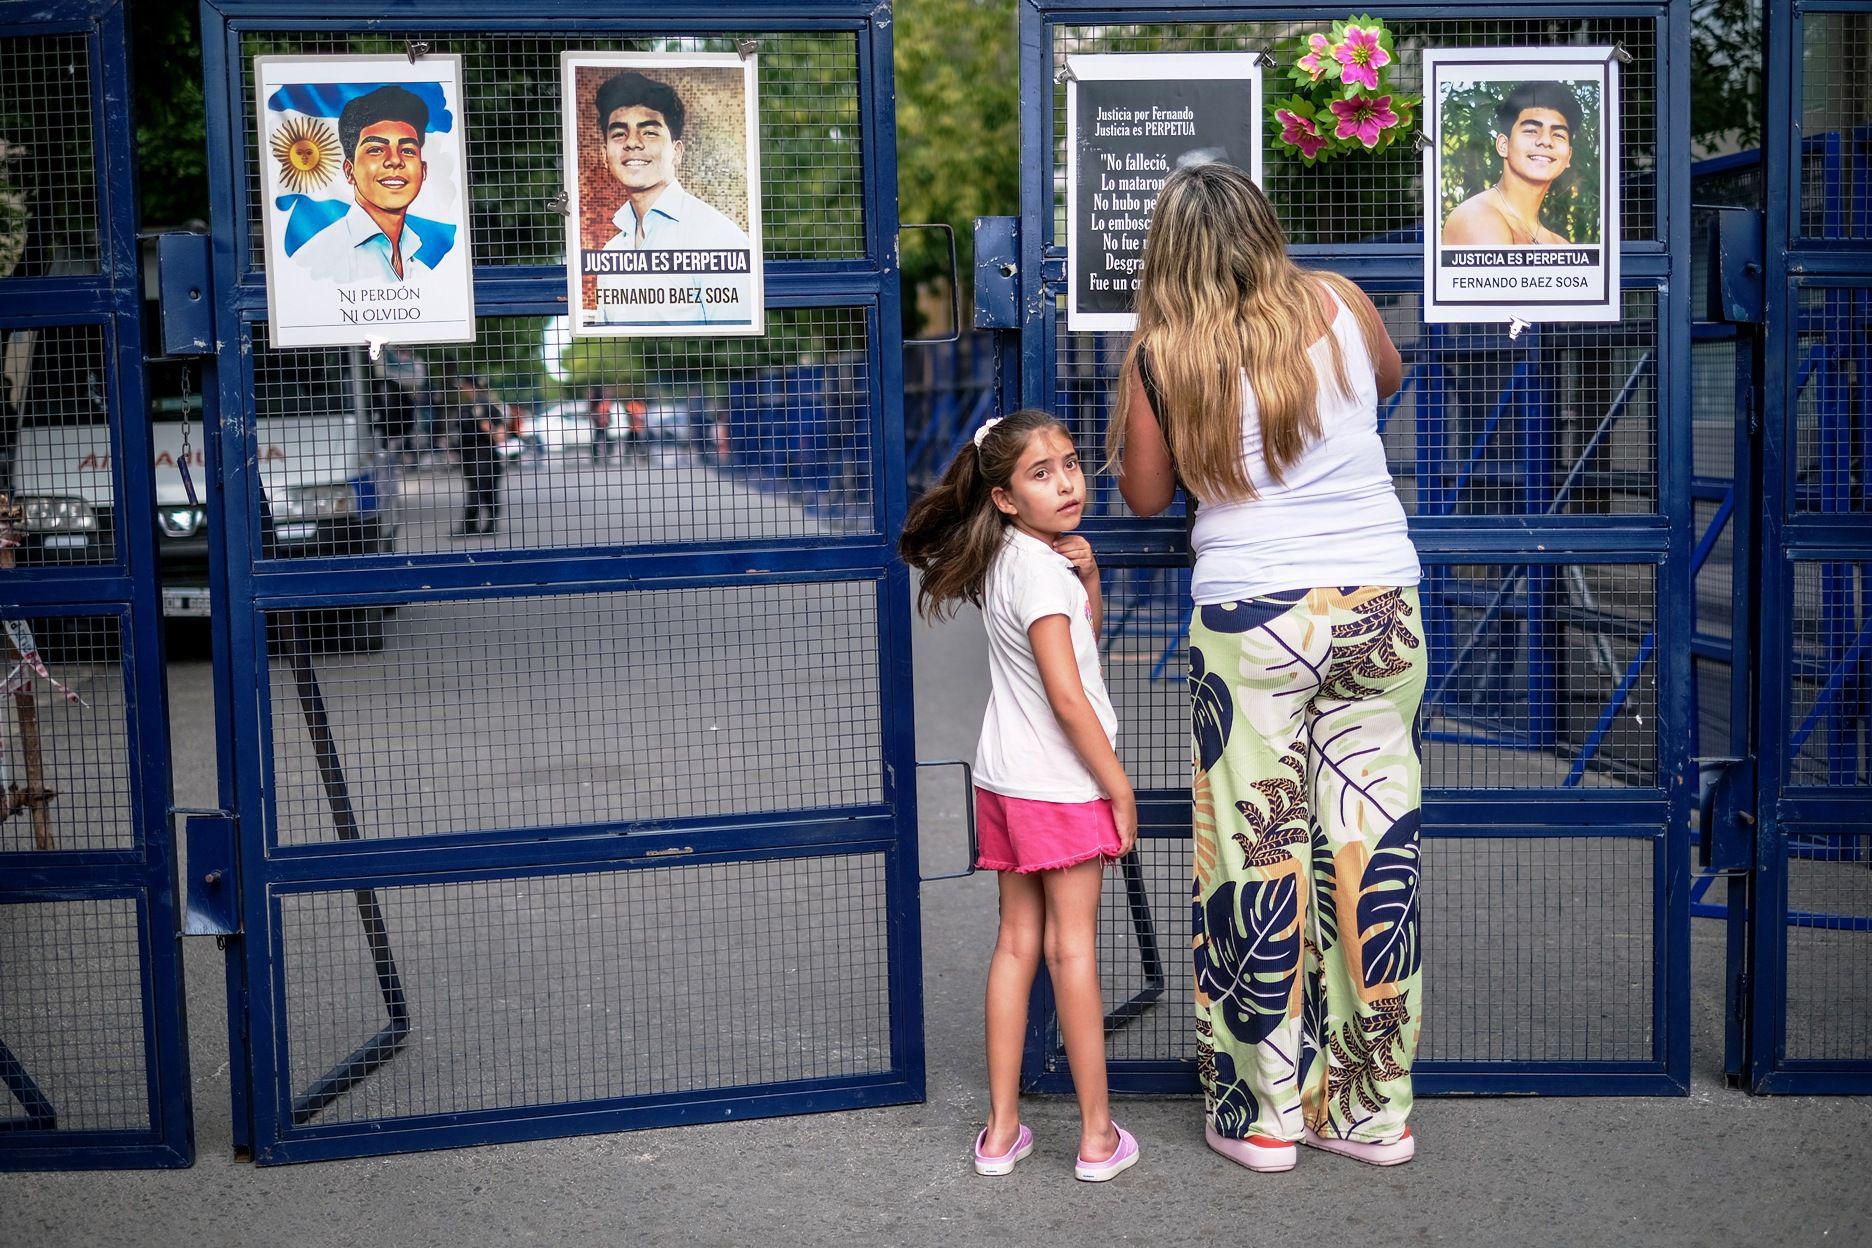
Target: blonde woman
1254 384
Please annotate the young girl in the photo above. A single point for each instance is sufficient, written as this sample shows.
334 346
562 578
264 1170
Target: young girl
1052 802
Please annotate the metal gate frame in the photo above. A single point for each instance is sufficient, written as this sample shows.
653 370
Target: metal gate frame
1663 540
1785 807
248 587
126 591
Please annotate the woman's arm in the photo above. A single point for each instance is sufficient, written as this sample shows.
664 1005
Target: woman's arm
1059 672
1146 478
1387 364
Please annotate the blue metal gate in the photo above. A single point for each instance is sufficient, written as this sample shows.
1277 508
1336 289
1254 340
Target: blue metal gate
606 819
1548 484
1806 972
93 1057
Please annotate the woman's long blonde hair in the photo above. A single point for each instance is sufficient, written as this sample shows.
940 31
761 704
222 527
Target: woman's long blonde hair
1219 298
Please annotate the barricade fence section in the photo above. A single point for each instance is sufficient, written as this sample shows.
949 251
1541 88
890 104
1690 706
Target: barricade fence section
1807 977
593 817
1546 476
93 1055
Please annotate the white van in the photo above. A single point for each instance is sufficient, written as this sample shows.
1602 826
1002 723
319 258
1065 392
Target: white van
330 486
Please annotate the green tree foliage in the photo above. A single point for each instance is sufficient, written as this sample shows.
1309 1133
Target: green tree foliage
1470 164
171 140
1725 75
958 126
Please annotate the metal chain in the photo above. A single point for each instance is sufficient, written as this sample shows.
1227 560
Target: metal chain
188 441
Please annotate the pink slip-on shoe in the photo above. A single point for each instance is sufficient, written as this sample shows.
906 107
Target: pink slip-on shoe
1004 1164
1395 1153
1122 1159
1257 1152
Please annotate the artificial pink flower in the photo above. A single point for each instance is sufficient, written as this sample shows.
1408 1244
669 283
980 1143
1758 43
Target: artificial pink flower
1300 132
1360 58
1364 118
1314 62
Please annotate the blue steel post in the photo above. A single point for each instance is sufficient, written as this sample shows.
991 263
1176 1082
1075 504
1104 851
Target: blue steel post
1676 619
878 85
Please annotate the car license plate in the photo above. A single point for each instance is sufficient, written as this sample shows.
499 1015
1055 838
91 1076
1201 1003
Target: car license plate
191 603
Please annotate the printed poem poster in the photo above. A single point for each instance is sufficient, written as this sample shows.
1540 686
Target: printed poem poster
1132 120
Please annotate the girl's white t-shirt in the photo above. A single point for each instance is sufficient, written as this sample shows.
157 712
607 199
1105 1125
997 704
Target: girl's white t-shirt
1335 518
1023 751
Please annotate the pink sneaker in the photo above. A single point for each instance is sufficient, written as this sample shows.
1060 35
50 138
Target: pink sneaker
1004 1164
1257 1152
1395 1153
1122 1159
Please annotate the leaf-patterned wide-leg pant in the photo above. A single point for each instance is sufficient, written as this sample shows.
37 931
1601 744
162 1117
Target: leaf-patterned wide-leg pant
1307 796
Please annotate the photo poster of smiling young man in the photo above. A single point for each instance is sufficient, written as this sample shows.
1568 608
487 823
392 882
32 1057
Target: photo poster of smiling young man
364 191
1521 177
1132 119
662 167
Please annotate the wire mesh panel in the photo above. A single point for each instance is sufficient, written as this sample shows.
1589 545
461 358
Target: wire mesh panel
1829 946
56 446
1542 474
488 714
1379 199
48 181
1541 676
661 441
71 1016
93 1059
1829 698
1559 422
562 988
1146 653
1833 400
1537 949
64 752
812 186
1835 126
661 613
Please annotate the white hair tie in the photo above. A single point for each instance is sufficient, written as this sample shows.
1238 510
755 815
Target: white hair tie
982 432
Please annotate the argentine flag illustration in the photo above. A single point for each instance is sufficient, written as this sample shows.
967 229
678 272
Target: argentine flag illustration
307 145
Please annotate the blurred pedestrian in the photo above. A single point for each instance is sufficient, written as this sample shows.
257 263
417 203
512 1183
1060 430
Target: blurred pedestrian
601 424
479 431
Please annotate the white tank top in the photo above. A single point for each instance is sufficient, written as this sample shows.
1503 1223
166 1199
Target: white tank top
1336 519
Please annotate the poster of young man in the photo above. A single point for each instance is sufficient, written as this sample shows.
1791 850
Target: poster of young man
1132 119
364 189
662 162
1521 185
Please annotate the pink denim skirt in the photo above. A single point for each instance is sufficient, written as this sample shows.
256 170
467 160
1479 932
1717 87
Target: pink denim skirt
1020 834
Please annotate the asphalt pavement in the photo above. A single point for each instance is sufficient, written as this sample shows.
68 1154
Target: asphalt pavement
1714 1167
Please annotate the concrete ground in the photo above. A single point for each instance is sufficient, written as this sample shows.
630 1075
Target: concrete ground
1716 1167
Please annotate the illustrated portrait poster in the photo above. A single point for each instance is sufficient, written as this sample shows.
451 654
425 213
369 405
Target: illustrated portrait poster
1131 120
364 199
1521 177
662 168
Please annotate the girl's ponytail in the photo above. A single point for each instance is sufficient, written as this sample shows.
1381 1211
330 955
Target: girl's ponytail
954 530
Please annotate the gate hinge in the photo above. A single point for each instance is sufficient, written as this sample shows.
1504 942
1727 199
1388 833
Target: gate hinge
183 279
213 885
